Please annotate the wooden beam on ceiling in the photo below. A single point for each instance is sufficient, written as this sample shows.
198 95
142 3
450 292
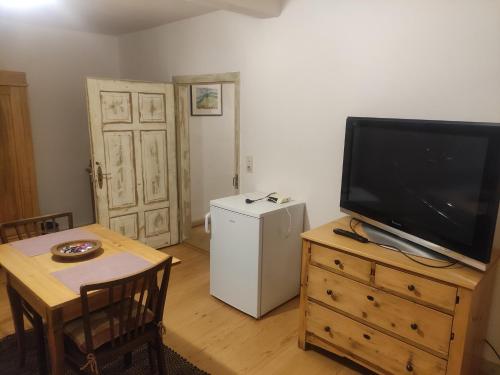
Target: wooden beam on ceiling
254 8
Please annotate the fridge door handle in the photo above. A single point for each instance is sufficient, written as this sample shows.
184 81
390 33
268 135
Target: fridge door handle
207 223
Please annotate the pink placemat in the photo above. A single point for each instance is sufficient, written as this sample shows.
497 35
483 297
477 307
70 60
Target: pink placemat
42 244
100 270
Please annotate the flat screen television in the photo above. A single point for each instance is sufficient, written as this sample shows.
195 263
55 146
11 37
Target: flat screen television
435 183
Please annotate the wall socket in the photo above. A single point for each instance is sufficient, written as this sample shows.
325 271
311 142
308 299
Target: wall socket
249 164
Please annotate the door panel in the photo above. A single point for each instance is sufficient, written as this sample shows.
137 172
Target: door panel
157 222
132 126
154 169
151 107
116 107
125 224
119 148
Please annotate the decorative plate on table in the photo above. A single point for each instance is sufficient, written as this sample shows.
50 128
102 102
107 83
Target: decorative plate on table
76 248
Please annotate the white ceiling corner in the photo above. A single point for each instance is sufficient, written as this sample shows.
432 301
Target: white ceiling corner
255 8
125 16
107 16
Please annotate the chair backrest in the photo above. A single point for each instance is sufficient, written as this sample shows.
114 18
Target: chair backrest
35 226
132 319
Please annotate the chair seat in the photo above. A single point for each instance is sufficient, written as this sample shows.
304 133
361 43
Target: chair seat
100 325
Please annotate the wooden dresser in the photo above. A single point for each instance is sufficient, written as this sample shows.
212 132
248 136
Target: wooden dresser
388 313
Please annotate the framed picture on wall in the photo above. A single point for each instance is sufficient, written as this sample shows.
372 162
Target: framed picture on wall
206 99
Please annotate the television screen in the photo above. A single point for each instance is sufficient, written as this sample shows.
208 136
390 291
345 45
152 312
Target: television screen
438 181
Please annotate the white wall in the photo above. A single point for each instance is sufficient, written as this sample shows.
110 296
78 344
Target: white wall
211 155
56 62
322 60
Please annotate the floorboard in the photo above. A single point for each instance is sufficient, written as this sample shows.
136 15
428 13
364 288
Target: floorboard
221 339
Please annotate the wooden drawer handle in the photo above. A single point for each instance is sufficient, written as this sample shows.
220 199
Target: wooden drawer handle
370 298
414 326
330 292
366 336
409 367
328 329
411 288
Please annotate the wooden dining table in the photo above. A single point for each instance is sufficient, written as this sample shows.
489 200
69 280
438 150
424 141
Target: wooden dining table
31 277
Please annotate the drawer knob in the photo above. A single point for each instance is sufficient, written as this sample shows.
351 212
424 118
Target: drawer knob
370 298
328 329
366 336
330 292
409 367
411 287
337 262
414 326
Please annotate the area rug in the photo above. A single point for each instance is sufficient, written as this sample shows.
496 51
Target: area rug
176 365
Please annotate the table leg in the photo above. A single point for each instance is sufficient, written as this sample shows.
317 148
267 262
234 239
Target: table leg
55 339
17 317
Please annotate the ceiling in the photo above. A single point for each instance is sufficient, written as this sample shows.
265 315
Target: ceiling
104 16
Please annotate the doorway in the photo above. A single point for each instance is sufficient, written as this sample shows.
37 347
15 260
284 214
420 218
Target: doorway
208 151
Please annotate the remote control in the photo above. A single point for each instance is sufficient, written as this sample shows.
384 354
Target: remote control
349 234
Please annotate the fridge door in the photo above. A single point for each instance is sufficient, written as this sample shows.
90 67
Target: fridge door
235 259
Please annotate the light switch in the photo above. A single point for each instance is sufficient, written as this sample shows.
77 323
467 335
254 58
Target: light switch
249 164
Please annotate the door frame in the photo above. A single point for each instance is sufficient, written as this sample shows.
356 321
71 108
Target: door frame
182 113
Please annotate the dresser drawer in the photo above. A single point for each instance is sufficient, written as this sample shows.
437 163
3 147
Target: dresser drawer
341 262
417 288
370 345
420 324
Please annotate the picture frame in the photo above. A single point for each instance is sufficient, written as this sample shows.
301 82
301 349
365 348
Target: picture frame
206 99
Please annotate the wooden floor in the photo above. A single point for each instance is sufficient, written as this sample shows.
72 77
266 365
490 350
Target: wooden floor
220 339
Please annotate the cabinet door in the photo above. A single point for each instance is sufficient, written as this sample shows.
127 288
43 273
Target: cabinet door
18 192
235 251
8 191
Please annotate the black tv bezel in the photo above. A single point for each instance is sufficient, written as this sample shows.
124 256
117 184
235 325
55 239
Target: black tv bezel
484 231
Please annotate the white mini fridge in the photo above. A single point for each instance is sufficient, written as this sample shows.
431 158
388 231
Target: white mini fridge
255 252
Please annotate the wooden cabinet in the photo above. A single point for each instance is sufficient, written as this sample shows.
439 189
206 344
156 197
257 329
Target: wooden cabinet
17 170
387 313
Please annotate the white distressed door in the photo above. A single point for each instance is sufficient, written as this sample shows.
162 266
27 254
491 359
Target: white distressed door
132 130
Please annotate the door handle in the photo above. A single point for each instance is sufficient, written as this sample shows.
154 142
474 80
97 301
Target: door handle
207 223
100 175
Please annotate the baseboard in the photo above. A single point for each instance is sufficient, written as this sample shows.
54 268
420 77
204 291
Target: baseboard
197 222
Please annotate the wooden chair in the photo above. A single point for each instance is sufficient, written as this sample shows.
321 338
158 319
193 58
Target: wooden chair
18 230
132 317
35 226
